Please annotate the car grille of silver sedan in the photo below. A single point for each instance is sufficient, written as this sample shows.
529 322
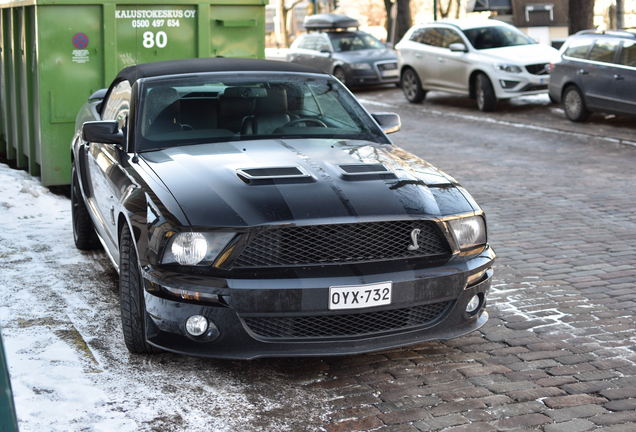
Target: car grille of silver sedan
320 326
343 244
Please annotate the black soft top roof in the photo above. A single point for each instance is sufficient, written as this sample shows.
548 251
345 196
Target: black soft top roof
200 65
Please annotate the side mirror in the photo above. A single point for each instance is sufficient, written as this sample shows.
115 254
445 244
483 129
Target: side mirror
326 51
389 122
105 131
458 47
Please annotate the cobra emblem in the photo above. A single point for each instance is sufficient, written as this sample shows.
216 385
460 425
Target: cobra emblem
414 234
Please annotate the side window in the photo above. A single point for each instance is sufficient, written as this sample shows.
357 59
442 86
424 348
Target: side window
604 51
435 37
418 35
451 37
322 43
307 43
578 48
628 55
118 104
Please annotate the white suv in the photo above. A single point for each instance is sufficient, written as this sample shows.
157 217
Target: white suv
485 59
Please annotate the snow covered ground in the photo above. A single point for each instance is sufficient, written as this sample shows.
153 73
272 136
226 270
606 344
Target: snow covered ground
69 367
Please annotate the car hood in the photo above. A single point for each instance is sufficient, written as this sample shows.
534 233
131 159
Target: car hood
523 54
227 184
366 55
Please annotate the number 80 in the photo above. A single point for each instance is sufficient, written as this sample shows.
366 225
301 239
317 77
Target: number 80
150 40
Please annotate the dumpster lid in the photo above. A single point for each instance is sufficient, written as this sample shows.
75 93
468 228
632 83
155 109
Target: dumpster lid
216 64
329 21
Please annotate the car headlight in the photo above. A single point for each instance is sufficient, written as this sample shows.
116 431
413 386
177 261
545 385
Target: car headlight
469 231
507 68
195 248
360 66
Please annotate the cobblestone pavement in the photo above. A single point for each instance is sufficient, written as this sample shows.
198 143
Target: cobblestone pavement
558 353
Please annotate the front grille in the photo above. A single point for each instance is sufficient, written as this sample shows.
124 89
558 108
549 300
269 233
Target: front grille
321 326
387 66
342 244
539 69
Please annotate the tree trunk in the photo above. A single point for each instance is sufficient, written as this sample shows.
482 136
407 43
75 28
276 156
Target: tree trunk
620 14
283 37
444 13
403 20
458 10
581 15
389 20
283 16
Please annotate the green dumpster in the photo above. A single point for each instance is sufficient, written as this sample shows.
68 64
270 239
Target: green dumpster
56 53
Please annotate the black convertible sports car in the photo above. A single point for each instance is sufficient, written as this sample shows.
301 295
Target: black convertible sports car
255 208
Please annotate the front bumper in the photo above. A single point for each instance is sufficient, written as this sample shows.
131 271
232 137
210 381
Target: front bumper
374 76
262 317
509 85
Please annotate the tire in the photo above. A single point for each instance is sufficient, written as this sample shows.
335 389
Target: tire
339 73
83 230
485 94
133 309
412 87
574 104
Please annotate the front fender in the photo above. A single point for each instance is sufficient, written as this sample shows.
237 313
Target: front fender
151 213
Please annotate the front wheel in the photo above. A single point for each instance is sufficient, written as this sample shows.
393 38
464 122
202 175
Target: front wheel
485 93
133 309
412 87
574 104
84 233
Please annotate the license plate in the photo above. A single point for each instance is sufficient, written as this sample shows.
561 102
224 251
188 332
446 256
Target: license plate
389 73
545 80
360 296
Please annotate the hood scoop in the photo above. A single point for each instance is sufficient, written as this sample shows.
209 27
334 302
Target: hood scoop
366 172
271 175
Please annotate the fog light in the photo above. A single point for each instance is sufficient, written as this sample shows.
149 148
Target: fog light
508 84
473 304
196 325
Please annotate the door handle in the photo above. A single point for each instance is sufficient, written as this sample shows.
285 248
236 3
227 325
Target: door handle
618 77
583 72
441 59
418 55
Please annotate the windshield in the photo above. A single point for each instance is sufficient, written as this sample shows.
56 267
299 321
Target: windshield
343 42
217 108
497 37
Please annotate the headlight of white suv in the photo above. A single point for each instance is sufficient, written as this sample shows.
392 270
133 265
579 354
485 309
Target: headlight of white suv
195 248
469 231
507 68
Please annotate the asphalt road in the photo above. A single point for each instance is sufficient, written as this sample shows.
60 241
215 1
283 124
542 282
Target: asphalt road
558 353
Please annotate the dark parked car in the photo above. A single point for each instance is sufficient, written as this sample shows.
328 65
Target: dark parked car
254 208
597 72
354 57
